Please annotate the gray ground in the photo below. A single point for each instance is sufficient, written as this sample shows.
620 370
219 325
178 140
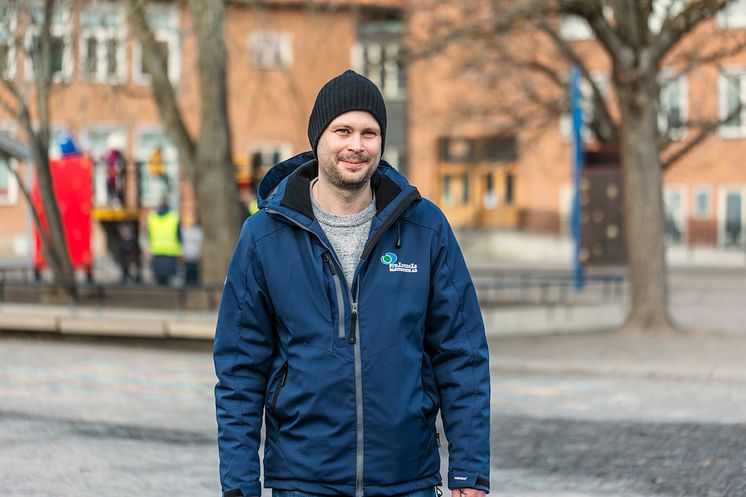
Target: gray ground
112 419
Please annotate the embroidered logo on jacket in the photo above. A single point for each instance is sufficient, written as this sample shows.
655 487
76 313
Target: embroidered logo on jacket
390 259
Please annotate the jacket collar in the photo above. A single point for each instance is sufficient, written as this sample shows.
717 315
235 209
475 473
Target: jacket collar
286 189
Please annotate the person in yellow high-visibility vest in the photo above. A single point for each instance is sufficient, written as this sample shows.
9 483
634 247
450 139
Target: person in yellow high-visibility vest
164 236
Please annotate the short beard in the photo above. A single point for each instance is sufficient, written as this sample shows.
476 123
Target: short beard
336 179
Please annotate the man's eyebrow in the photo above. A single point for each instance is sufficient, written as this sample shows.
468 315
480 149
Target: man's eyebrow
348 125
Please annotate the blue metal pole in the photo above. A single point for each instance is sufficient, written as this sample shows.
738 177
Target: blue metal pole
577 140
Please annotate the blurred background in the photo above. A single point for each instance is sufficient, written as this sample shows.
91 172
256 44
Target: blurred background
589 156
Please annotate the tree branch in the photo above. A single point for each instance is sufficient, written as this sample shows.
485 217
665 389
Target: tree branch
673 29
165 97
706 129
691 59
503 21
592 11
598 98
46 240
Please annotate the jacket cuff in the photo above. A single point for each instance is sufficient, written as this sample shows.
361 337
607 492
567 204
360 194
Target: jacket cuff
463 479
247 490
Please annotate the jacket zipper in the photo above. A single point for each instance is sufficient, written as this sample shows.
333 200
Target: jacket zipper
283 379
359 456
360 418
353 324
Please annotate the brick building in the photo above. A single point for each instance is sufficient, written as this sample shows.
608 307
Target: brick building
279 54
443 132
485 173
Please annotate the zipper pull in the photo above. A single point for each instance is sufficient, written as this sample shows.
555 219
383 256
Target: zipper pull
326 257
353 324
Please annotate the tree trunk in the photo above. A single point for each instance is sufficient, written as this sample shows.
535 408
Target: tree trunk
643 207
207 161
214 178
57 255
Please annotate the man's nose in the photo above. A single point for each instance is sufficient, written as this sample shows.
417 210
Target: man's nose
356 142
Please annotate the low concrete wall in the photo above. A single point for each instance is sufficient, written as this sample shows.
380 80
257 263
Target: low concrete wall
99 321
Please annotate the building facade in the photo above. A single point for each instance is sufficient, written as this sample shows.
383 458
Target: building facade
449 130
279 54
488 171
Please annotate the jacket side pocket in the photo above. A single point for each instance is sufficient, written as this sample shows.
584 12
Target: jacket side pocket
278 390
431 399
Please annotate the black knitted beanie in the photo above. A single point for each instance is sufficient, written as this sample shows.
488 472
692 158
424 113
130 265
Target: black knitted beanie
347 92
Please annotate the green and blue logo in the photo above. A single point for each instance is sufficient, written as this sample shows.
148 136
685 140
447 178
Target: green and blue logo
388 258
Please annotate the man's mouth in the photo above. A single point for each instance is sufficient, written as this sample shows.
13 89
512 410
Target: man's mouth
353 162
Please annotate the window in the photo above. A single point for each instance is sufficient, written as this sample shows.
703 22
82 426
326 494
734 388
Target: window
164 22
153 147
733 16
490 198
701 202
61 48
501 148
103 43
381 63
672 106
575 28
731 99
663 10
271 49
731 216
456 149
509 188
496 148
262 156
465 188
378 55
98 142
446 198
673 200
8 26
8 183
587 106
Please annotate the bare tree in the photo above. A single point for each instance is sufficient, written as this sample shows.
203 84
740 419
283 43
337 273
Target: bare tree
636 49
15 101
207 157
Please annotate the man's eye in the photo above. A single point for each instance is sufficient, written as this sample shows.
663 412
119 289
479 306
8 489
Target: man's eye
371 134
343 131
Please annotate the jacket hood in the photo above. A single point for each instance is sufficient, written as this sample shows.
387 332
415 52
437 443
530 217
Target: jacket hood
286 188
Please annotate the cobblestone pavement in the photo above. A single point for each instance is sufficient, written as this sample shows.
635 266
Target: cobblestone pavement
115 418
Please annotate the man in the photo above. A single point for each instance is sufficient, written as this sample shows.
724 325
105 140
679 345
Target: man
349 318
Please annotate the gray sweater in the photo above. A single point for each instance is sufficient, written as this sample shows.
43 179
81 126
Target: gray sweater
347 234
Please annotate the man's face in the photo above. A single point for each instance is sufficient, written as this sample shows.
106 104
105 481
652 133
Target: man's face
349 150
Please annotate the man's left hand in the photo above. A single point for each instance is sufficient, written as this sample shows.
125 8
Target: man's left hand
467 492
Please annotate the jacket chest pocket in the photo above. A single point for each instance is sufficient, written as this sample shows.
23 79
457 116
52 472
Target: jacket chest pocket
338 303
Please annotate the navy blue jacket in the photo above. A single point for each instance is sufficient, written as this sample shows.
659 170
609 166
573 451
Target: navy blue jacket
349 379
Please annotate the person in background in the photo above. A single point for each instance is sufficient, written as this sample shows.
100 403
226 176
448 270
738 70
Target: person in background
164 236
193 238
253 202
